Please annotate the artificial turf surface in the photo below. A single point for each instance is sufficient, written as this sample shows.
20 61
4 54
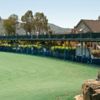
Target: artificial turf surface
25 77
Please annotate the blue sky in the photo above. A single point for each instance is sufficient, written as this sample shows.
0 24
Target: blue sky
65 13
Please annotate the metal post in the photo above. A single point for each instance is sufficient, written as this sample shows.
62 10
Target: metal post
81 51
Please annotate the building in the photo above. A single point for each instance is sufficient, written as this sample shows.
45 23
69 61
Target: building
87 26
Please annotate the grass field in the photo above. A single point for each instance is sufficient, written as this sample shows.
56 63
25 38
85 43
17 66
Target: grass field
25 77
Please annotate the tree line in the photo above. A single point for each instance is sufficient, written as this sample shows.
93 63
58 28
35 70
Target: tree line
37 23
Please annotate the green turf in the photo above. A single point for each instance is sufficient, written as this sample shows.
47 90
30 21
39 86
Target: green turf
24 77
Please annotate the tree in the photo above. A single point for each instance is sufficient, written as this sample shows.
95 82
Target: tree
10 26
50 32
0 18
27 19
13 17
37 23
40 22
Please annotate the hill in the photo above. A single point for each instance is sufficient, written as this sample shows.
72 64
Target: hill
57 29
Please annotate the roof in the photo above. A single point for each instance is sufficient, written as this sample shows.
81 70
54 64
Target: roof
93 25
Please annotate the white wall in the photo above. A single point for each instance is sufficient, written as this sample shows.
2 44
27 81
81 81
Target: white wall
83 28
82 51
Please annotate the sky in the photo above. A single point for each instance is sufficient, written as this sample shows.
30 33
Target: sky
64 13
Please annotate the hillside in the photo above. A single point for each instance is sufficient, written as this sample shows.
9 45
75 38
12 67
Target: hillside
56 29
59 30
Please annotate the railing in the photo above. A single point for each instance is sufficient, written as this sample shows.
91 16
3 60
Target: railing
73 37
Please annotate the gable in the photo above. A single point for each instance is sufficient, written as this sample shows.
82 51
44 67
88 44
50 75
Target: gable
82 27
88 26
